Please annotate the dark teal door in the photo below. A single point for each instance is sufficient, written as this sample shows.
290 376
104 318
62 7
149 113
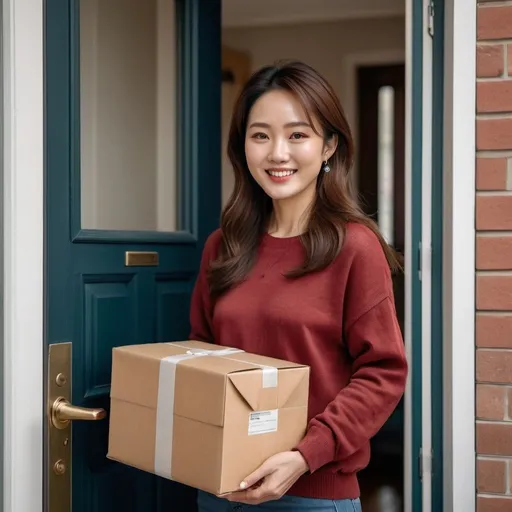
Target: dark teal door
132 164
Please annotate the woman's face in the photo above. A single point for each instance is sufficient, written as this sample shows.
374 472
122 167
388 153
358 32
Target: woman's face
283 152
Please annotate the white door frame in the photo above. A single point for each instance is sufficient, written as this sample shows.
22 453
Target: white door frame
459 256
23 163
23 214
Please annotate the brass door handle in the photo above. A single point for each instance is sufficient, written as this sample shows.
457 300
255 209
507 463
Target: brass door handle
62 412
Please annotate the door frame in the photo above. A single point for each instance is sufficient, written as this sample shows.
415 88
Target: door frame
23 255
23 244
459 454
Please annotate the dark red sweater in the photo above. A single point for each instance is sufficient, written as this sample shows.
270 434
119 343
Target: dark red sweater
341 322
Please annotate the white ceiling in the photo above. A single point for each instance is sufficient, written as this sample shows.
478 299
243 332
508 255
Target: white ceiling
244 13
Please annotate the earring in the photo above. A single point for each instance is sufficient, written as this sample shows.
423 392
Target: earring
325 166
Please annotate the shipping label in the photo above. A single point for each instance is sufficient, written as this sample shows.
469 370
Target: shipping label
262 422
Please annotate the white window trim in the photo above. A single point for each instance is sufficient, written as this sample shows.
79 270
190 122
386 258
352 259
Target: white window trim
459 256
23 165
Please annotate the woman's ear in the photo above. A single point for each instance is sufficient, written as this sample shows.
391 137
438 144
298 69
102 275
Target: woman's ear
330 146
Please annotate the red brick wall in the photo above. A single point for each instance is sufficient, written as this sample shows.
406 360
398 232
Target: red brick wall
494 256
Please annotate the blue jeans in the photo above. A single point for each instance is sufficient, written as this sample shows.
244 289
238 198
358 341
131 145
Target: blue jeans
209 503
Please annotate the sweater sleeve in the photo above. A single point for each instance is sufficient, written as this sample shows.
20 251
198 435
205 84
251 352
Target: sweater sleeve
363 406
379 372
201 307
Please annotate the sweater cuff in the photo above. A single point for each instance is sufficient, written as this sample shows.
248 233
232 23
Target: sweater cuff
318 447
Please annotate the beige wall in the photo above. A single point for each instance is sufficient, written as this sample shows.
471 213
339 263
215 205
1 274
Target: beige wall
325 46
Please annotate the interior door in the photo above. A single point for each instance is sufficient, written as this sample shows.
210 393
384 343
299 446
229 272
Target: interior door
133 188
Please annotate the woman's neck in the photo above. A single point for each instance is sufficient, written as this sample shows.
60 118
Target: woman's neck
289 217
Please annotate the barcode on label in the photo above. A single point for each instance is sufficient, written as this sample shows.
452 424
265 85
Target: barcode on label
262 422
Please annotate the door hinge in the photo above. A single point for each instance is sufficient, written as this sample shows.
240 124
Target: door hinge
430 17
425 461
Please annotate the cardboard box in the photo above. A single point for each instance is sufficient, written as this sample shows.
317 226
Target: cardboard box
202 414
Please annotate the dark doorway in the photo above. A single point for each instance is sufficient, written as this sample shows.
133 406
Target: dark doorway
381 185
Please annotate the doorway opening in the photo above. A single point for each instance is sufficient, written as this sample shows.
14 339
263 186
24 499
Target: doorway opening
362 54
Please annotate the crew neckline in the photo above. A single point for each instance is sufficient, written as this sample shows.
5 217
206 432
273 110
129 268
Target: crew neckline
273 241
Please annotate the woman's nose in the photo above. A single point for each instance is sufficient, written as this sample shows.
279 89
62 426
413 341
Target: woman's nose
278 151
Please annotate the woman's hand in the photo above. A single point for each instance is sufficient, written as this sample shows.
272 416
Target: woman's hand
272 479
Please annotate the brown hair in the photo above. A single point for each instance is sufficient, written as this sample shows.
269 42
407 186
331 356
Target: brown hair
246 215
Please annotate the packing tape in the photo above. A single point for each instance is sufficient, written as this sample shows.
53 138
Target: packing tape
165 400
269 378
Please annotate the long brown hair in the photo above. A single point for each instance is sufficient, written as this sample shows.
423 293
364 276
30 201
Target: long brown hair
247 213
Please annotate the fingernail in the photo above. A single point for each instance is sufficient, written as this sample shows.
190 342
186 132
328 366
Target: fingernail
243 485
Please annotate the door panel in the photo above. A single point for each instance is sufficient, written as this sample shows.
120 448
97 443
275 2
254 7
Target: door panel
93 299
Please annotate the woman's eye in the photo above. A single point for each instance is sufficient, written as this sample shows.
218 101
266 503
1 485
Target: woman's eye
297 136
259 136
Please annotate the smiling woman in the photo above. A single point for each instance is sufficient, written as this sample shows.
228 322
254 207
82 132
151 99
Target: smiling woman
275 152
294 240
263 140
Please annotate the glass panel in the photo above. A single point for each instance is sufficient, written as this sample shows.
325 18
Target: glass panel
386 162
128 107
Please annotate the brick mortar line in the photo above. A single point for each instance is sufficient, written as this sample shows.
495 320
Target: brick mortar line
489 421
490 79
488 42
485 383
482 233
487 496
484 79
494 270
500 494
494 458
505 59
494 422
505 386
491 349
491 153
493 42
494 116
503 3
501 114
507 476
494 234
494 273
494 193
498 313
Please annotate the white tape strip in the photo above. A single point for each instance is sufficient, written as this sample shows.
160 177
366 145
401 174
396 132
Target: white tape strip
270 373
269 376
165 414
165 404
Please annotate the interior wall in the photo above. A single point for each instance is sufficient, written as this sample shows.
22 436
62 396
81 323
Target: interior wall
325 46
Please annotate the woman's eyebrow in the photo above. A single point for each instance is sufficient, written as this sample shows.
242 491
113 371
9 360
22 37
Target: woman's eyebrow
293 124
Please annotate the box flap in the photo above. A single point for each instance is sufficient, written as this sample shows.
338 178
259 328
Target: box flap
291 391
293 387
249 385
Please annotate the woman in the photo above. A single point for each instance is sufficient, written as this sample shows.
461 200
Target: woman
298 272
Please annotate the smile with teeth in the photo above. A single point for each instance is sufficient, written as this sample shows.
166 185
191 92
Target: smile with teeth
281 174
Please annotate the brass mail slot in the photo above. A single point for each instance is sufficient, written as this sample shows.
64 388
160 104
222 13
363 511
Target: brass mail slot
141 259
